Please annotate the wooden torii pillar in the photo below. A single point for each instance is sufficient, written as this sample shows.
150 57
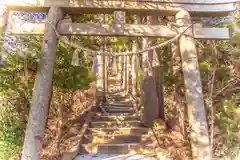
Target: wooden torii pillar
125 71
101 77
115 63
120 67
42 93
196 110
134 69
135 48
119 21
106 58
126 75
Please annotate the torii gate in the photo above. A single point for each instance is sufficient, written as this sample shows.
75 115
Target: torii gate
181 9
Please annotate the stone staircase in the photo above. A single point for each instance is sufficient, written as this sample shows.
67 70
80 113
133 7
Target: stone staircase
117 133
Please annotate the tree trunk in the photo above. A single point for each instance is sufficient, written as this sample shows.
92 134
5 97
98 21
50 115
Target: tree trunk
150 100
42 90
196 110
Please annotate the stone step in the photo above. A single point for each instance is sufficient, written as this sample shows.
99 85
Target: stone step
119 99
115 104
117 148
117 123
118 106
119 110
114 131
117 95
116 118
115 114
116 139
116 157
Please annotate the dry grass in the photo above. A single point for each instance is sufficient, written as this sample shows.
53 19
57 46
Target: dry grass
61 131
173 144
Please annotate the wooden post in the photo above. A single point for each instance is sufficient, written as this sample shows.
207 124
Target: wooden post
135 48
126 72
129 68
104 75
100 78
119 20
115 62
134 68
42 92
115 66
196 110
126 75
150 99
105 61
101 70
120 68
